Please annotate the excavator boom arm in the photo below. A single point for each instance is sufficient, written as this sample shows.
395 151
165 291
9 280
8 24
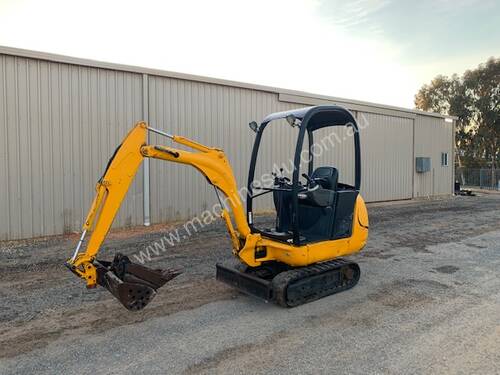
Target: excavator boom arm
118 176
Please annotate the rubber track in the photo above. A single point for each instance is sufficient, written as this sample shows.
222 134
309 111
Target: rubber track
284 280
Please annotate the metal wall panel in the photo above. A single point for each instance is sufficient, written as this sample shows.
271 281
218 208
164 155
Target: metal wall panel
214 115
218 115
59 125
61 119
387 154
334 146
387 157
432 137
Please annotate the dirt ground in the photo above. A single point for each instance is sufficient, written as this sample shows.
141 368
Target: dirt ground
428 301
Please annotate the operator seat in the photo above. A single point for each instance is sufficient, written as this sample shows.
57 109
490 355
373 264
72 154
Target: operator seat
330 176
316 223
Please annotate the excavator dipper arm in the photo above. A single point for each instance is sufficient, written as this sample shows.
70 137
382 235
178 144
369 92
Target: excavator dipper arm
133 284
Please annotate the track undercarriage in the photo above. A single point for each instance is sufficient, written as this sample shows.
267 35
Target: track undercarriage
288 286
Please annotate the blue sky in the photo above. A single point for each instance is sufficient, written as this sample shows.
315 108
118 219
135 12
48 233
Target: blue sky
375 50
424 30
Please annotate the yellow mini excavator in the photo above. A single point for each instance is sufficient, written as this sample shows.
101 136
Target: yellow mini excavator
318 219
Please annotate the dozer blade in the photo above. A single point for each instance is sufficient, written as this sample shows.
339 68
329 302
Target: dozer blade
132 284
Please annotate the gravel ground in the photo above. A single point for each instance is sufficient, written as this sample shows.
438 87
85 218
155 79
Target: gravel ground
428 302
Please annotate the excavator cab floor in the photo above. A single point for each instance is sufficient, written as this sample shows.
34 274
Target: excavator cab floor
132 284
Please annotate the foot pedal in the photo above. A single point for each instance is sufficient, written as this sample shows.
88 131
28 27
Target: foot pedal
132 284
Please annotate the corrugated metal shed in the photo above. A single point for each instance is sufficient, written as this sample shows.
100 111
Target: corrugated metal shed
432 137
62 117
59 123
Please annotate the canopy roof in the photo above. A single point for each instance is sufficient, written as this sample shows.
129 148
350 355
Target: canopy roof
318 116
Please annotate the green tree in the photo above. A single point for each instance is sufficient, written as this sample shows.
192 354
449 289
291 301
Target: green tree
474 98
482 85
447 95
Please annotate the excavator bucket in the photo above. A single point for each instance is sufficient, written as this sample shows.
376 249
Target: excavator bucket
132 284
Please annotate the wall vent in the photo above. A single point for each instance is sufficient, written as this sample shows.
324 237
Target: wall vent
423 164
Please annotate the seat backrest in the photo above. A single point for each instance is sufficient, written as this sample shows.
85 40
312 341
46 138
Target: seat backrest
330 174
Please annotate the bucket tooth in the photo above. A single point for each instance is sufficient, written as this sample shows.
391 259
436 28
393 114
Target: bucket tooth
132 284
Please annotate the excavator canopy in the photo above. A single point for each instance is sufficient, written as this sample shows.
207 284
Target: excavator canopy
308 120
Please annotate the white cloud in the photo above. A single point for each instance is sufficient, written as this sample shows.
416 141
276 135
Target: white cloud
354 12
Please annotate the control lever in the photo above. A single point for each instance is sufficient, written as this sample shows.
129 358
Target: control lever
279 179
310 181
